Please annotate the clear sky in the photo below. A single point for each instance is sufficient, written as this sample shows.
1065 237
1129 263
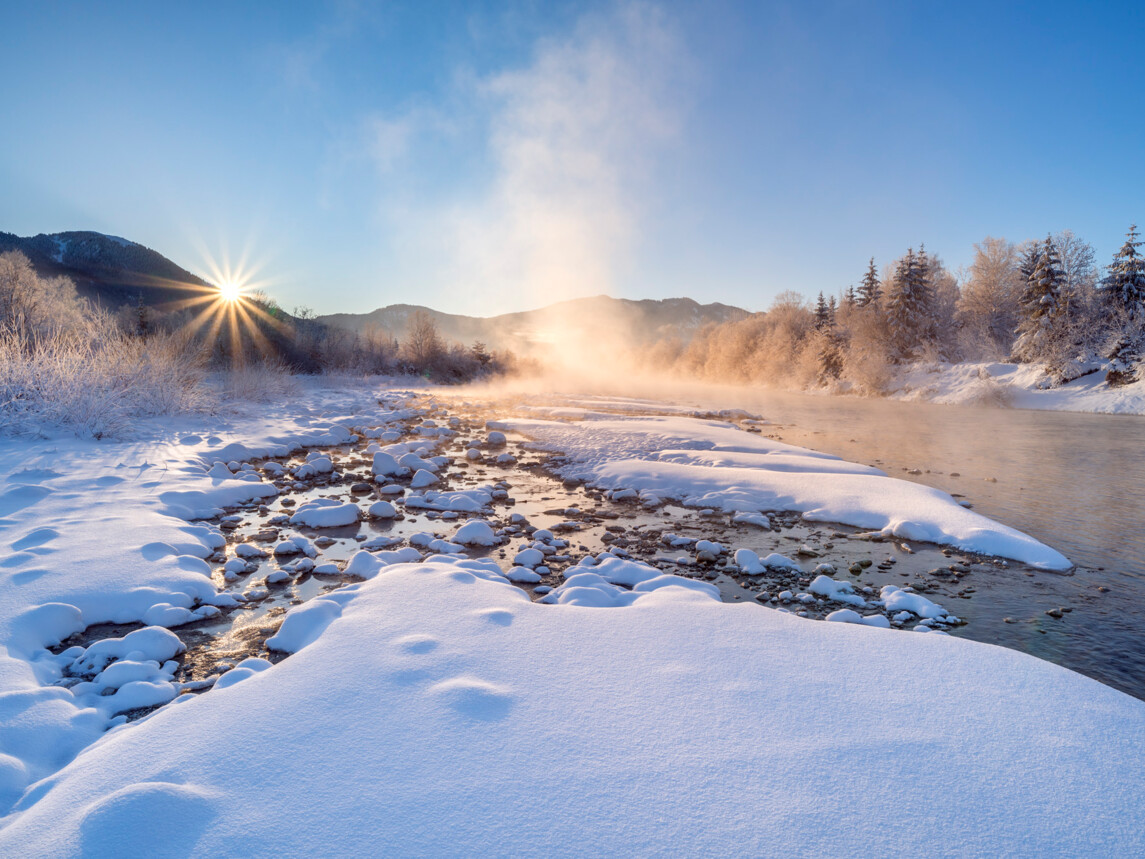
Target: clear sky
486 157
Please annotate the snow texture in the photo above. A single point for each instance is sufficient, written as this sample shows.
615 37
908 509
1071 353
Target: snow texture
708 464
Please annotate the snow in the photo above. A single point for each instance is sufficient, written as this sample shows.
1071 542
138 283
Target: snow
659 719
962 744
846 615
423 478
708 464
382 510
326 513
1025 386
895 599
835 591
476 533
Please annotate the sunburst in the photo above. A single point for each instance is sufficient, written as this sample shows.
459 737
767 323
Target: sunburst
229 309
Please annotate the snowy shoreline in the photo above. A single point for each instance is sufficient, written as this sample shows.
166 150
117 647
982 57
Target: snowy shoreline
1020 386
414 680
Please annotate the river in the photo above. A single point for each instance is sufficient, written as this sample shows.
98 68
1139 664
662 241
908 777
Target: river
1074 481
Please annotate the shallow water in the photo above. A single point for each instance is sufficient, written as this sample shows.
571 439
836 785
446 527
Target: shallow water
1074 481
1000 602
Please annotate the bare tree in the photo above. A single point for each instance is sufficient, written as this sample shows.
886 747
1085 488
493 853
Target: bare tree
422 345
988 306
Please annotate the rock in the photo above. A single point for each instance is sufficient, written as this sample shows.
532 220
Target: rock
1054 612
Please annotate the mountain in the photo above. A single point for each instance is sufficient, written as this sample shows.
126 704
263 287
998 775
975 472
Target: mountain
639 322
109 270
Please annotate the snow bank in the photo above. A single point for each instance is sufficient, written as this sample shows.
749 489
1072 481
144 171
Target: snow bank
409 691
707 464
1025 386
99 532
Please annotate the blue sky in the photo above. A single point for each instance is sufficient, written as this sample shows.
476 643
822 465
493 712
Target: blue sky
488 157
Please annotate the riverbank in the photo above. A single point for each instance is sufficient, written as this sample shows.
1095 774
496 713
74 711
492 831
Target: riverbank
441 694
1021 386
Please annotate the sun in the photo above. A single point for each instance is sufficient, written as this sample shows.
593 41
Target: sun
230 290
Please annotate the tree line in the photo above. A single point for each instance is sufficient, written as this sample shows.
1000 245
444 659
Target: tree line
1039 302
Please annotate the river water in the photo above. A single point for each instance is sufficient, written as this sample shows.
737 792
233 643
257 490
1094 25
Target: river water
1074 481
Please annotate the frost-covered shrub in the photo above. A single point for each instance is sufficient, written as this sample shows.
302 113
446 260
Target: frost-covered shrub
264 381
79 369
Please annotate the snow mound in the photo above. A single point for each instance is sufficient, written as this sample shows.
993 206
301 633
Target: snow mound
326 513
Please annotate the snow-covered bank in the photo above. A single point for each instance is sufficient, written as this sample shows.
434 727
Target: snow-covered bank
433 708
1024 386
443 713
712 464
99 532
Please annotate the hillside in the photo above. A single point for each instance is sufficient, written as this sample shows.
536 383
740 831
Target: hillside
531 330
109 270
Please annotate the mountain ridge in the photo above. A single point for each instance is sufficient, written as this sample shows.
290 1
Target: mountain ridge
643 320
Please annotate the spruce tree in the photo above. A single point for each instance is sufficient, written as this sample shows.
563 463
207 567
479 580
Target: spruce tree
1029 260
908 306
849 296
832 308
822 313
1124 286
870 291
1041 307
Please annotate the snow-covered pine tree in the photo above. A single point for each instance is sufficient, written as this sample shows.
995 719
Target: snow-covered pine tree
849 296
832 309
908 310
822 313
922 290
1124 286
1041 306
1031 253
870 290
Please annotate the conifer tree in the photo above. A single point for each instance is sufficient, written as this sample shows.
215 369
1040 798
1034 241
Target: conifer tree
908 307
1041 306
1124 286
1029 260
870 291
849 296
822 313
832 308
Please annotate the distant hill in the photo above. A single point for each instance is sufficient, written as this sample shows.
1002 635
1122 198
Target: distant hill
643 321
109 270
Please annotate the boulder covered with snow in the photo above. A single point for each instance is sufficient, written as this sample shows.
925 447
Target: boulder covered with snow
326 513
